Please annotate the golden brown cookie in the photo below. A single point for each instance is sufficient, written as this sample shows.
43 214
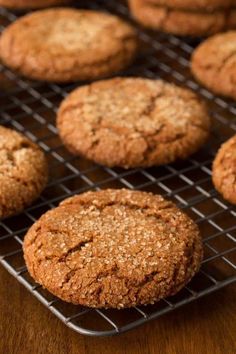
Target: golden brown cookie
182 22
214 64
224 170
23 172
205 5
31 4
113 248
68 45
130 122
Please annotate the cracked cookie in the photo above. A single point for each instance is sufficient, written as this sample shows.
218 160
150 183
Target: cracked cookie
113 249
131 122
182 22
31 4
63 45
213 64
224 170
205 5
23 172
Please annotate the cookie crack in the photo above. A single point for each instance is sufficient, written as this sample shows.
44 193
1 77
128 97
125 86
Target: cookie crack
227 59
151 146
37 232
189 10
68 278
165 18
11 153
148 278
18 147
150 107
220 65
75 249
166 15
108 60
166 205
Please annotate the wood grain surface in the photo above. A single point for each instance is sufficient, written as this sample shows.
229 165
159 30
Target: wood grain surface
207 326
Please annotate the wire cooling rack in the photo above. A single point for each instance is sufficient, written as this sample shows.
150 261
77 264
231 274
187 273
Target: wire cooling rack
30 108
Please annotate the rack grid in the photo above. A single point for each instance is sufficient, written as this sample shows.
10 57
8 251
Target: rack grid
30 108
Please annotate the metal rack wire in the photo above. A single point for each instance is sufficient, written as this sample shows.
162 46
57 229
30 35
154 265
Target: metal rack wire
30 108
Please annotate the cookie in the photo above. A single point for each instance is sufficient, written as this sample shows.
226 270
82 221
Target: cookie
31 4
181 22
23 172
113 249
133 122
205 5
224 170
65 44
213 64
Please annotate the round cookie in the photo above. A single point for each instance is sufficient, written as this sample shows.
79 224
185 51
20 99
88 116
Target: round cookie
31 4
224 170
64 44
132 122
23 172
205 5
182 22
113 249
213 64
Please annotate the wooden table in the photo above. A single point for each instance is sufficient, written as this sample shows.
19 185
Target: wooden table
207 326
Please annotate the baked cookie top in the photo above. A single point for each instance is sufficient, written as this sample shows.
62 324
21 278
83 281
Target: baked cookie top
224 170
23 172
33 4
67 44
182 22
113 248
131 122
214 63
205 5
